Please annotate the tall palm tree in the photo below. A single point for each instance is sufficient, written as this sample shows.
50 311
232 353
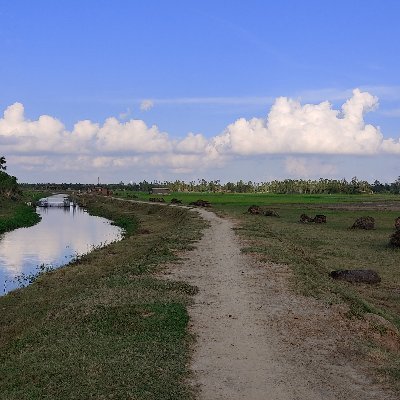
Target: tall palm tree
3 163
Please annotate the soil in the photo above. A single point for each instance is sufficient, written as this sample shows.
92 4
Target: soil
256 339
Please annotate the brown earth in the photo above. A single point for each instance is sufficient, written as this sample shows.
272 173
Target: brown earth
256 339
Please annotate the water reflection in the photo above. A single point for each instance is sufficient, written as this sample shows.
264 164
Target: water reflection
63 233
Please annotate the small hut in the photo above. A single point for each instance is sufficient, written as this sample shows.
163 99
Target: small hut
160 190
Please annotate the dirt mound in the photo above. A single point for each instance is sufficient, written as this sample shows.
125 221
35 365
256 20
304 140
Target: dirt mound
304 219
200 203
318 219
270 213
356 275
395 239
364 223
257 210
176 201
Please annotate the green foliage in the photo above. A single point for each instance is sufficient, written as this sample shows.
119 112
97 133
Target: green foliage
15 215
3 163
8 186
286 186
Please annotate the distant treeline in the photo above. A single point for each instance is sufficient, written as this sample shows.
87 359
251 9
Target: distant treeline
287 186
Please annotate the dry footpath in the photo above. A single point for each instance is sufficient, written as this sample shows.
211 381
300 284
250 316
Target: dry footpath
256 339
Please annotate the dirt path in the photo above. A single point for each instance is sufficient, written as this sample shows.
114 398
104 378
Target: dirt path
255 339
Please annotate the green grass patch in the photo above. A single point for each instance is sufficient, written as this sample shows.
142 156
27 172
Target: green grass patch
232 200
15 214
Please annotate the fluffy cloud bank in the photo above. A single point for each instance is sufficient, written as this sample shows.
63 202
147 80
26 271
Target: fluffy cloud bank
308 129
290 128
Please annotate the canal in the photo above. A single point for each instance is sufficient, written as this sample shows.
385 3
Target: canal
62 234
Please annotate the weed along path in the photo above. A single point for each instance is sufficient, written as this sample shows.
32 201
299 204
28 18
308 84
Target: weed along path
256 340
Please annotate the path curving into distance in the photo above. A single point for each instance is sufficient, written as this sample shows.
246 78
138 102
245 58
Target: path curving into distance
255 339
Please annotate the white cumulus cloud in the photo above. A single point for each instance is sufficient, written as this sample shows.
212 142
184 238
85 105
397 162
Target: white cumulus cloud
308 129
131 136
192 143
291 129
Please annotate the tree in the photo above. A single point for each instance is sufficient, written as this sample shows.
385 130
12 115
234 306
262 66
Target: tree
8 186
3 163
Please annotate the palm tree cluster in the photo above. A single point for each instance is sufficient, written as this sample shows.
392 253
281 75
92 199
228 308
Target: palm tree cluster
287 186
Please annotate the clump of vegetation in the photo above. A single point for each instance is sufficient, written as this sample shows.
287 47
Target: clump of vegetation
367 223
356 275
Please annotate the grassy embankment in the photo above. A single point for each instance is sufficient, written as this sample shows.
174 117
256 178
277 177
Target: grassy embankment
313 250
105 326
17 214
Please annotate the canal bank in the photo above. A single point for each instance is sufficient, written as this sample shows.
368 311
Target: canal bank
105 325
16 214
65 231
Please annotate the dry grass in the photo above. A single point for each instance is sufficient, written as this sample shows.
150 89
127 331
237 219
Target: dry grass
312 251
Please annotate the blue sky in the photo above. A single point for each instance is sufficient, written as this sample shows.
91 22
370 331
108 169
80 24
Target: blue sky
175 77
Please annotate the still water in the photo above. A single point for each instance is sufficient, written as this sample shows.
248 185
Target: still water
61 235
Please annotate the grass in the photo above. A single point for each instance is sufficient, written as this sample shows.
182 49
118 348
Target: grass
105 326
17 214
234 200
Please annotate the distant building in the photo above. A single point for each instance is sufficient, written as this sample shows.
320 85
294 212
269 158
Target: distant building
160 190
102 190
